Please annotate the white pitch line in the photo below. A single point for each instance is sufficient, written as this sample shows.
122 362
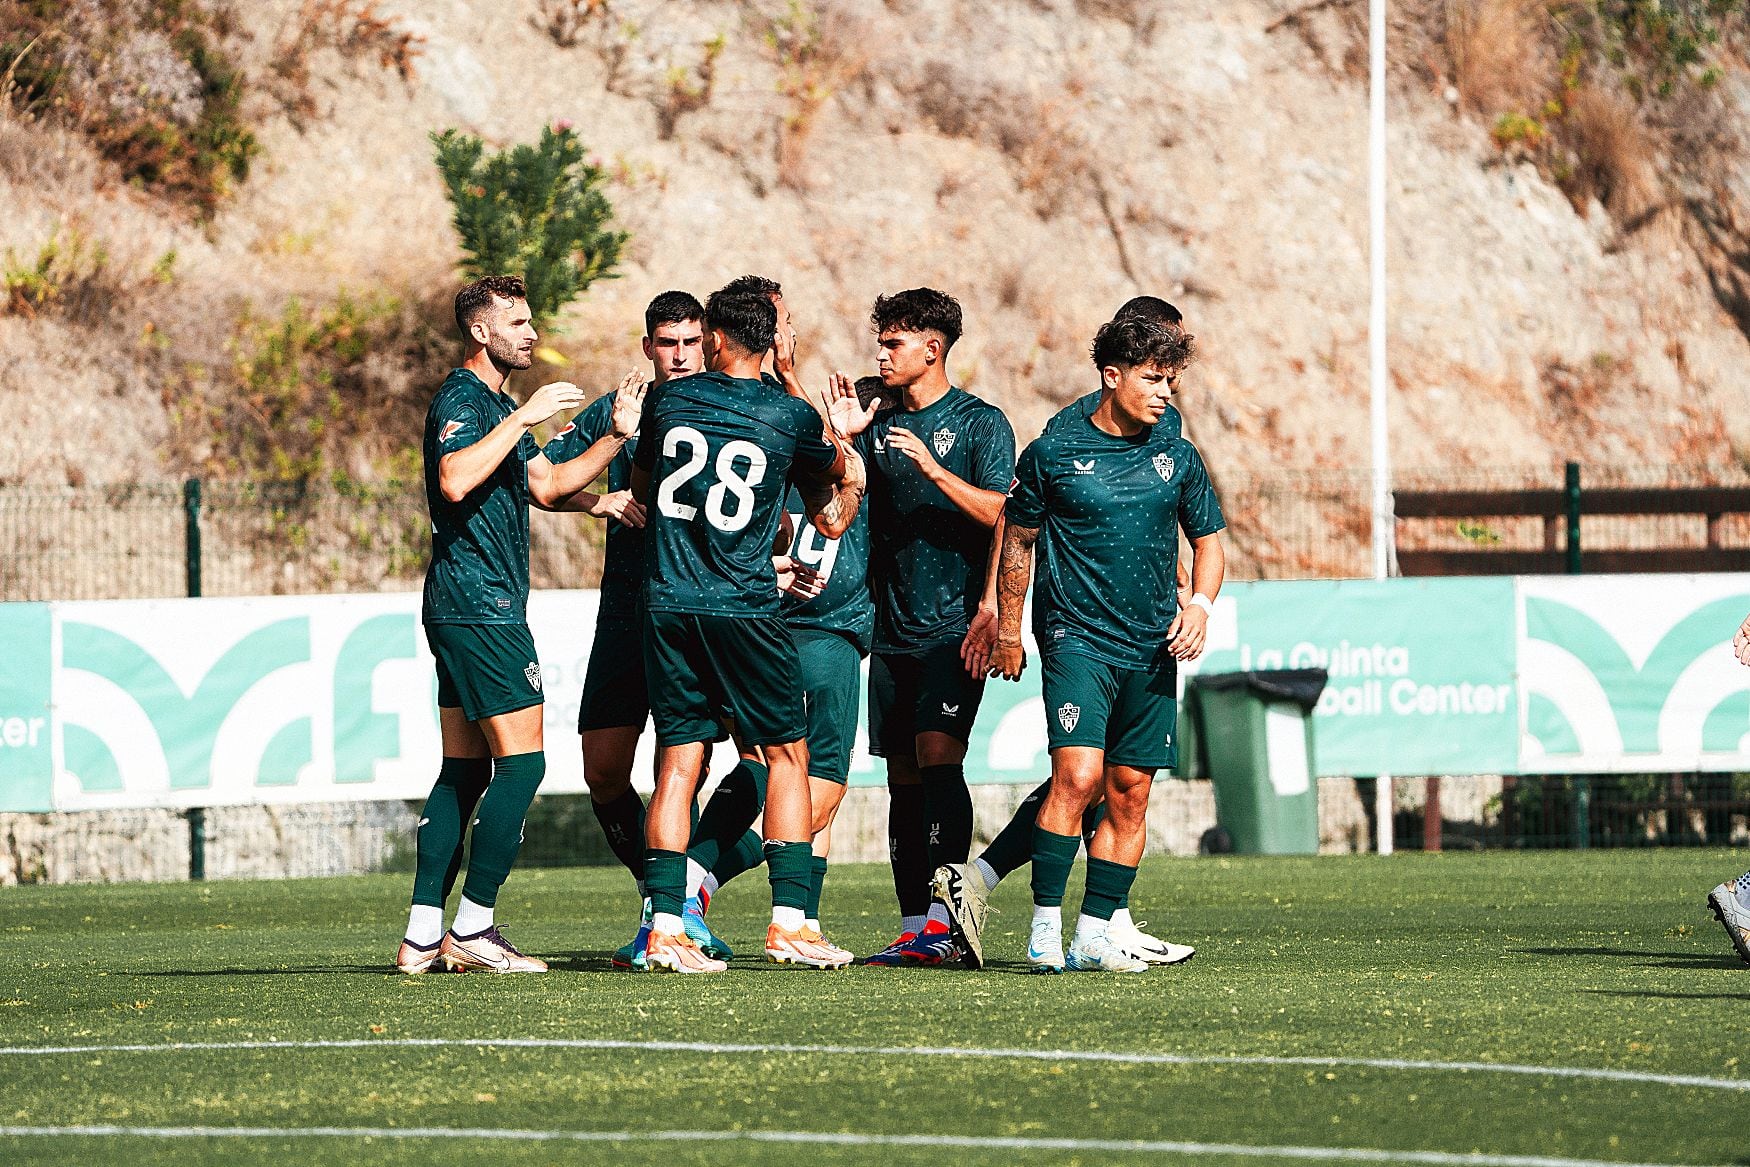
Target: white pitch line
971 1052
816 1138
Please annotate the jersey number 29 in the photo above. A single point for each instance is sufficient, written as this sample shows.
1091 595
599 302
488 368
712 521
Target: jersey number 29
730 480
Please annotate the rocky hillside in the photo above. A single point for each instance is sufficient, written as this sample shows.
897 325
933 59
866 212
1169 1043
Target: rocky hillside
1041 159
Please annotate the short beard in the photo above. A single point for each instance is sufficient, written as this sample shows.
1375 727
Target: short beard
508 355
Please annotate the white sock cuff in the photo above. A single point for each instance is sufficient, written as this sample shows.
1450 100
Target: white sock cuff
695 877
471 918
425 925
789 919
991 878
667 923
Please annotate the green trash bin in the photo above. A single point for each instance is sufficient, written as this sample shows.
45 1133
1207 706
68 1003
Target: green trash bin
1251 734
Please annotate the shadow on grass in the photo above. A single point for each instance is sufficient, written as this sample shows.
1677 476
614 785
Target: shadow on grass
1677 959
1668 996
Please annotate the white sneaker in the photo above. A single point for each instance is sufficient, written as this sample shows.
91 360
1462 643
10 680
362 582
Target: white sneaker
1045 947
1730 908
959 888
1133 940
1098 953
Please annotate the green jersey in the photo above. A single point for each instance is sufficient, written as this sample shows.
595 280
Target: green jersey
844 605
479 571
927 557
720 452
1082 408
623 563
1108 511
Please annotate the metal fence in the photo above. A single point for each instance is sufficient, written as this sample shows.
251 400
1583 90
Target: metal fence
146 540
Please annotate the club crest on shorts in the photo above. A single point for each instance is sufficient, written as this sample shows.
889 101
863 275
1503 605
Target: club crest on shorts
1067 716
1164 466
943 440
533 673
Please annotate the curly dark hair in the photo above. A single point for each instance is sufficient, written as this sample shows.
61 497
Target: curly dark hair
1126 341
1150 308
918 310
478 296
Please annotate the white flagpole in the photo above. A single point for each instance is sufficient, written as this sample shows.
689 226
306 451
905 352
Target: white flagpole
1383 521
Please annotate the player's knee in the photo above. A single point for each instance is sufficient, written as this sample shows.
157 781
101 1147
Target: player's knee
606 783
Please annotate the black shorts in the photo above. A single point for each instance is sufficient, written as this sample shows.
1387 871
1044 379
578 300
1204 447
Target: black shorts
485 669
701 668
925 692
614 693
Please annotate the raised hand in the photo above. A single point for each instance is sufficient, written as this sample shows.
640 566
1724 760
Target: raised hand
548 400
842 409
1741 642
913 447
629 404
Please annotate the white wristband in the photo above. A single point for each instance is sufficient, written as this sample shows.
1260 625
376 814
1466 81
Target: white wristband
1202 601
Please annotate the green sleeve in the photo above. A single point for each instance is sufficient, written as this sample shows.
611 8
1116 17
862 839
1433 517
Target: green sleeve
1199 510
1026 504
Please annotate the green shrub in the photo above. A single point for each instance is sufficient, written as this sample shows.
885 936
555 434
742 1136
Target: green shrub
534 211
150 82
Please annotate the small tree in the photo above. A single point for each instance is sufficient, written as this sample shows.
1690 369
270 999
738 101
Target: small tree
534 211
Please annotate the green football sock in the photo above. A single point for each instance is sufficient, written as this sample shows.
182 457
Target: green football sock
748 853
733 807
1108 886
1013 846
437 843
787 867
665 880
816 881
498 826
1053 856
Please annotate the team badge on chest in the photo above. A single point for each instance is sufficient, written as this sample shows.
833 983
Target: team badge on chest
943 440
1164 466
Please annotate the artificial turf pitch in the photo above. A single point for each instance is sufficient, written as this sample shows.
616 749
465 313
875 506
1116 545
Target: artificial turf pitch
1603 960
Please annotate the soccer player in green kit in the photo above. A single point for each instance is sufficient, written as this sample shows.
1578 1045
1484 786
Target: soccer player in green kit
964 890
482 470
1104 499
833 621
614 706
716 454
939 461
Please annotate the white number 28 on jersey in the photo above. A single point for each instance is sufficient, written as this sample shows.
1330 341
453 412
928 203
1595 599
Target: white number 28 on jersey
731 480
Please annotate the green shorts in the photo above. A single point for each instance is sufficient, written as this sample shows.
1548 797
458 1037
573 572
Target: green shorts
700 669
927 692
614 695
1132 714
485 669
832 672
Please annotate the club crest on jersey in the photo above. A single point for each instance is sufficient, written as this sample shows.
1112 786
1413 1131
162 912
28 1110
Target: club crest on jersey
1164 466
451 428
533 673
880 443
1067 716
943 440
569 426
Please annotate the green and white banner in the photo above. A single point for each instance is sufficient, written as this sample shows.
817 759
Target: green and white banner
318 698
